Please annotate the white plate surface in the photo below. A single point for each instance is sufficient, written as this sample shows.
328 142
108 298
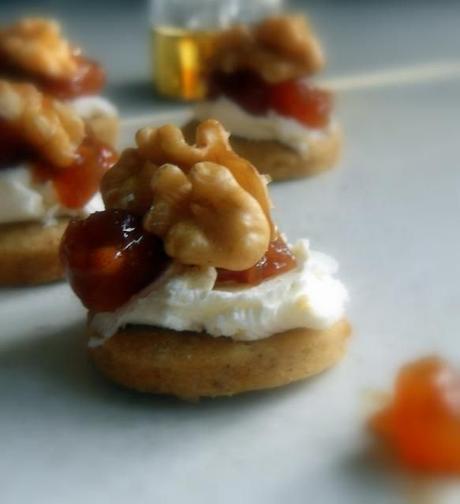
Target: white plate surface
390 214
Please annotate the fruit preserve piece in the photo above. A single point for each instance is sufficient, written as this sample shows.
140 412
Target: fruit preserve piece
422 422
305 103
278 259
76 184
243 87
295 99
12 148
108 258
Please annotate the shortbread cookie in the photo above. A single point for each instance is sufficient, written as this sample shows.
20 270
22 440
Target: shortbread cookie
29 253
193 365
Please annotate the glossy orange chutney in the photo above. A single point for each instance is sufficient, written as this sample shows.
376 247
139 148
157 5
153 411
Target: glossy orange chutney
108 258
294 99
76 184
278 259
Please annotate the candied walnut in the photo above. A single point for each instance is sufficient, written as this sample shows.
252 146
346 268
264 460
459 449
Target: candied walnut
293 37
210 206
280 48
206 218
172 195
51 128
125 185
167 145
36 45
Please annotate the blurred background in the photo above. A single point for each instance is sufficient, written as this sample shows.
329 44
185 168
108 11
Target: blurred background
358 37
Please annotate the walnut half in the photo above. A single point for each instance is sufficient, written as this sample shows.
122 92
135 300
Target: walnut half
279 48
210 206
206 218
167 145
48 126
36 45
124 186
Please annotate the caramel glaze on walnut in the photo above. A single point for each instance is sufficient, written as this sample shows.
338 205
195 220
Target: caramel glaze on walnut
210 206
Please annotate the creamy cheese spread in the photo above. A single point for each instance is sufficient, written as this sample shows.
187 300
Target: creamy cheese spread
270 126
22 199
186 298
91 106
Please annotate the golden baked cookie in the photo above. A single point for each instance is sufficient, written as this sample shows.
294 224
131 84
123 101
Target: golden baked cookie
29 253
193 365
280 161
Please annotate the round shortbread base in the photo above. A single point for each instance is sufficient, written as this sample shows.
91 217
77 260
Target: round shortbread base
193 365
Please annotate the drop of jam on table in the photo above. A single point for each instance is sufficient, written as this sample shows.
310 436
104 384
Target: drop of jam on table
421 424
108 258
294 99
76 184
277 260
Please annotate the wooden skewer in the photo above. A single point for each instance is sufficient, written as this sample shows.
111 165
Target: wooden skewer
399 76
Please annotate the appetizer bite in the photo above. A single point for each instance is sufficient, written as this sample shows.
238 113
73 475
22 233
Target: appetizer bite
33 50
191 288
259 90
50 169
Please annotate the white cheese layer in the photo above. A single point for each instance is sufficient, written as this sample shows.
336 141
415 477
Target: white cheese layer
22 199
91 106
271 126
185 299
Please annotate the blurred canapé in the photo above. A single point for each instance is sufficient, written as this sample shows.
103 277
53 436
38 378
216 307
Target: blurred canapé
182 34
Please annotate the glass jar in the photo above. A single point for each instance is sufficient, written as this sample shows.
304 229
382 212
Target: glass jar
182 33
